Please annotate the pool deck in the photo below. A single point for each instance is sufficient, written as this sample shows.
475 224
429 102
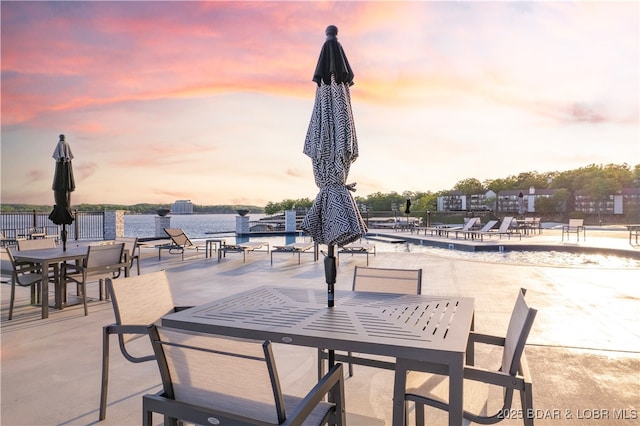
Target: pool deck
583 351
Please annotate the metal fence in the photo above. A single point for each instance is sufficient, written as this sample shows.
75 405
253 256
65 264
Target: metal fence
86 226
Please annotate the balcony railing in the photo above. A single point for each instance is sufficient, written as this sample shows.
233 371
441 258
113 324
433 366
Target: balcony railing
86 226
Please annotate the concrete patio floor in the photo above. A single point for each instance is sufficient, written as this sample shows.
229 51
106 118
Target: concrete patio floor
583 351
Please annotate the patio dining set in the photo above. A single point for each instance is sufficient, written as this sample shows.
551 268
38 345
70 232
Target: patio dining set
227 344
386 321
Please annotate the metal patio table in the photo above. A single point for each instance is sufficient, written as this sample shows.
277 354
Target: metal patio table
429 329
51 257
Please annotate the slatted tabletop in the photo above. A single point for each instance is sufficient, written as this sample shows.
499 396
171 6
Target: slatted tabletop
407 326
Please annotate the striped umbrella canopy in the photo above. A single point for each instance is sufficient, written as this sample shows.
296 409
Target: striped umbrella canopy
63 185
331 143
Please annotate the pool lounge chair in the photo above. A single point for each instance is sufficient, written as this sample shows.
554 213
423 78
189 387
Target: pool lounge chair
294 248
242 248
508 227
179 243
359 248
485 230
443 231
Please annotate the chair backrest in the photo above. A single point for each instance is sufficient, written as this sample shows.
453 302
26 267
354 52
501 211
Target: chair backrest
517 333
20 269
130 246
505 224
14 264
140 299
470 223
387 280
104 255
40 243
488 226
574 223
178 237
232 376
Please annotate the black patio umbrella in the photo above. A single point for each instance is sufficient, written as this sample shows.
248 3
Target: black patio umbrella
63 185
331 143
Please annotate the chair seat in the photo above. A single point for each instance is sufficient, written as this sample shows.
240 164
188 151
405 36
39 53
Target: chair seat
436 387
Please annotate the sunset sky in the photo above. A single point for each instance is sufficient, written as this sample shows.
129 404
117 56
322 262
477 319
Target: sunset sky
210 101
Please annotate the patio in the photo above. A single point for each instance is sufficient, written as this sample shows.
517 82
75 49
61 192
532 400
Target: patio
584 349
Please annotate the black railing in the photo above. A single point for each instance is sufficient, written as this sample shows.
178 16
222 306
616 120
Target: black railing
86 226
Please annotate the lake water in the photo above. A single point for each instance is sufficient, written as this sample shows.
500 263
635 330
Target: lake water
195 226
211 225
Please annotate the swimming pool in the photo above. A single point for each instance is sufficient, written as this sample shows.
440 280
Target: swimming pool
553 258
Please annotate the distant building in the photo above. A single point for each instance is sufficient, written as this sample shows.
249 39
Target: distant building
182 207
509 200
506 201
626 200
457 201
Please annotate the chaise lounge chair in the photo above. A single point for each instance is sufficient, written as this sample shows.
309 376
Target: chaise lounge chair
485 230
508 227
179 243
242 247
359 248
294 248
443 231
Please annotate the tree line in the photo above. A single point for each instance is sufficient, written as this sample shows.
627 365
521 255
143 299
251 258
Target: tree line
142 208
596 181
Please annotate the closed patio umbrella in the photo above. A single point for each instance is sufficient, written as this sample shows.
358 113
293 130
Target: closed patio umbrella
332 145
63 185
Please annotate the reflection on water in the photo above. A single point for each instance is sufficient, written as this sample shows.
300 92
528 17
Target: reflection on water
536 258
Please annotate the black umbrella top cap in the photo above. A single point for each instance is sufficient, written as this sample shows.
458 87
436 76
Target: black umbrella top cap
333 60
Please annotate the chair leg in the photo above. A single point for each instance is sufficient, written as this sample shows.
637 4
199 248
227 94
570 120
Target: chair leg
320 363
526 399
83 286
13 296
350 366
105 373
419 412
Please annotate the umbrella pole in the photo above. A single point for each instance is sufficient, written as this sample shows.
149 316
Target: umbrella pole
63 236
330 275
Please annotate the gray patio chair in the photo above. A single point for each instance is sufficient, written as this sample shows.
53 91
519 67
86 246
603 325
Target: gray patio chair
137 302
36 244
210 379
8 237
25 274
378 280
575 226
513 374
101 262
131 252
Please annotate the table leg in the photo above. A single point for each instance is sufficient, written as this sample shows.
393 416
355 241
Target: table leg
399 386
59 298
44 289
456 383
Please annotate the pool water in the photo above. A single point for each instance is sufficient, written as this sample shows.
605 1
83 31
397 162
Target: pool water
552 258
521 257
